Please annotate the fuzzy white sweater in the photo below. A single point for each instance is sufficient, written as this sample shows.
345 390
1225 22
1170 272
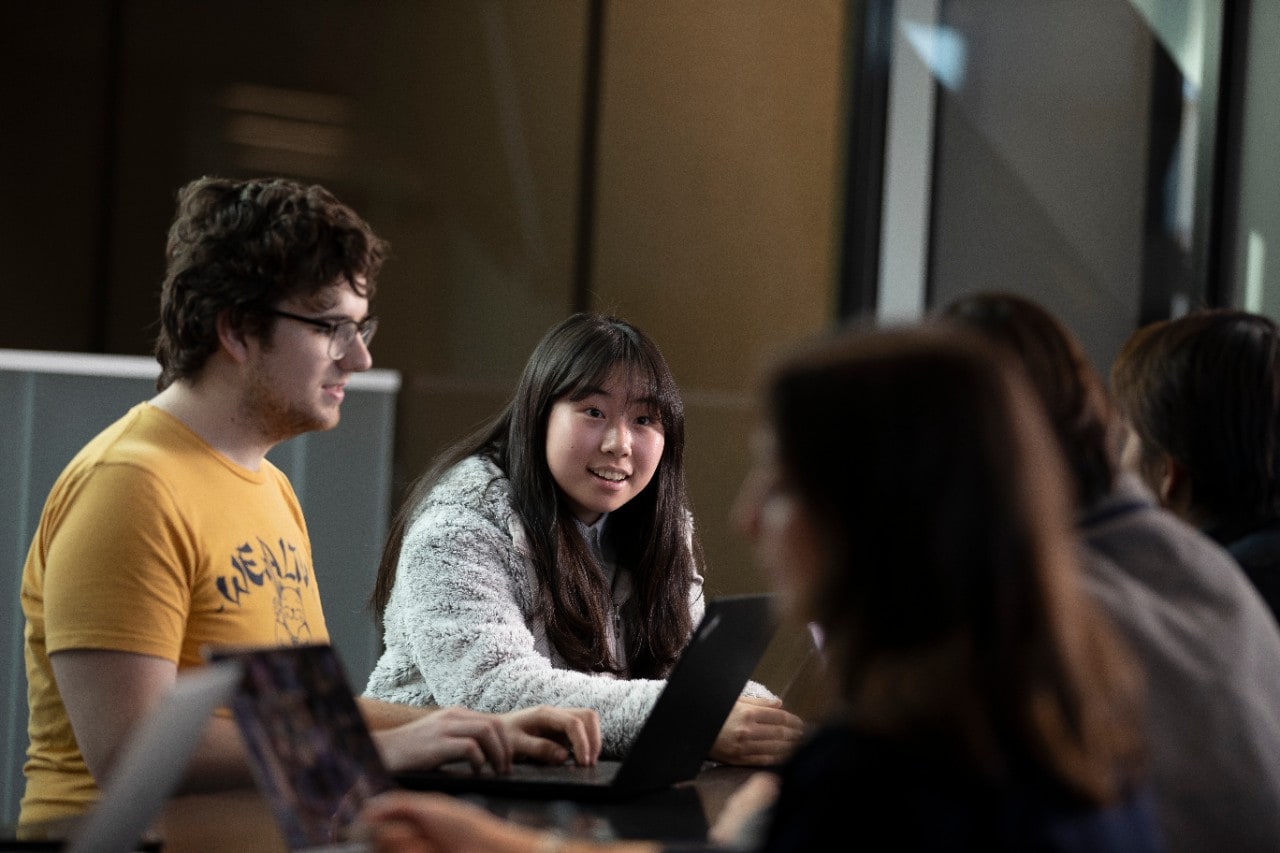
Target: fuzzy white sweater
460 626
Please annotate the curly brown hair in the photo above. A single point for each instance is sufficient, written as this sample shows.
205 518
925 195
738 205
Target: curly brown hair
243 246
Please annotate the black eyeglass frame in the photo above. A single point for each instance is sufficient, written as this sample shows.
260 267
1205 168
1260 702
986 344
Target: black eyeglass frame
365 329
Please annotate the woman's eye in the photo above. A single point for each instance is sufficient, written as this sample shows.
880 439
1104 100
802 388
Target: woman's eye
593 412
646 420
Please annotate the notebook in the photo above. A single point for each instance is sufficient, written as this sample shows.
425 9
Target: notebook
675 739
152 763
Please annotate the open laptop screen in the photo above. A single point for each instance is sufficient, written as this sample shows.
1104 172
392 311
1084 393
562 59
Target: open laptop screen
311 753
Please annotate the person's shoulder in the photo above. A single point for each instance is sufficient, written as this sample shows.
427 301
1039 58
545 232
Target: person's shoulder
1055 818
1168 583
1126 503
1258 549
129 440
120 464
472 475
1182 602
273 474
149 435
475 482
469 503
1153 545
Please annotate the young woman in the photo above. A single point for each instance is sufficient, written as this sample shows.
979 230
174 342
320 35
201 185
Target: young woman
909 498
551 557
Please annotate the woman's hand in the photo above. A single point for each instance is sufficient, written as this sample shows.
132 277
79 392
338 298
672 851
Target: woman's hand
543 733
759 732
448 734
554 735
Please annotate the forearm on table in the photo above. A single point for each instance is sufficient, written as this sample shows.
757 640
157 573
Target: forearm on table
387 715
219 762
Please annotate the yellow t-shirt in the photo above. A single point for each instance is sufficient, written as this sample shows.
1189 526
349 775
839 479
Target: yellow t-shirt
152 542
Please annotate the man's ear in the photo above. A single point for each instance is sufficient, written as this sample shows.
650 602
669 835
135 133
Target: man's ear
1175 486
232 338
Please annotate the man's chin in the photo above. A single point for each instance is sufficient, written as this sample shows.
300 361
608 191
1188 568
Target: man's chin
325 424
301 425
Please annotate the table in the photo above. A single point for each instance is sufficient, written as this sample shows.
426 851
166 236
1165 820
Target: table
239 820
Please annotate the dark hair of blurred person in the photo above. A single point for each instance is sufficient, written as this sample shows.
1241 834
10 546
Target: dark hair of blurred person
1074 395
947 586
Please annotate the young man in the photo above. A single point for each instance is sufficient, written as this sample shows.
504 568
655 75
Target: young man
171 530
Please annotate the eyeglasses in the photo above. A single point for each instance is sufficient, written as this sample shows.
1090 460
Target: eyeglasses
342 333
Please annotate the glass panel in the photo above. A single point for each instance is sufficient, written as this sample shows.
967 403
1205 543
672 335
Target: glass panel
1069 150
1257 242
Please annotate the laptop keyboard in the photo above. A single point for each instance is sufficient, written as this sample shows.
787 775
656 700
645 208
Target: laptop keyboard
601 773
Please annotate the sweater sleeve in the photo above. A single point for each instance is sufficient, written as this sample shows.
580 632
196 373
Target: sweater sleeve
460 630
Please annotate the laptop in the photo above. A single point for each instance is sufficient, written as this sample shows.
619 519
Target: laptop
316 764
307 744
152 763
673 742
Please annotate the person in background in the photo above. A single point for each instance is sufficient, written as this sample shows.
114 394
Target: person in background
909 497
171 530
551 557
1206 642
1201 397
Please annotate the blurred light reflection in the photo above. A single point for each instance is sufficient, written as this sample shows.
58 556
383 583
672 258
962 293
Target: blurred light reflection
941 49
285 129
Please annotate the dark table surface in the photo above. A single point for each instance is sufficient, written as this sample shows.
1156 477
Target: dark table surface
240 820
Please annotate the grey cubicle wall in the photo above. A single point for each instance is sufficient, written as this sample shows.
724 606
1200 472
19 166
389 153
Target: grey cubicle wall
52 403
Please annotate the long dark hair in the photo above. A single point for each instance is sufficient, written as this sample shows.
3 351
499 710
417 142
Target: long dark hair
651 534
1073 393
950 598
